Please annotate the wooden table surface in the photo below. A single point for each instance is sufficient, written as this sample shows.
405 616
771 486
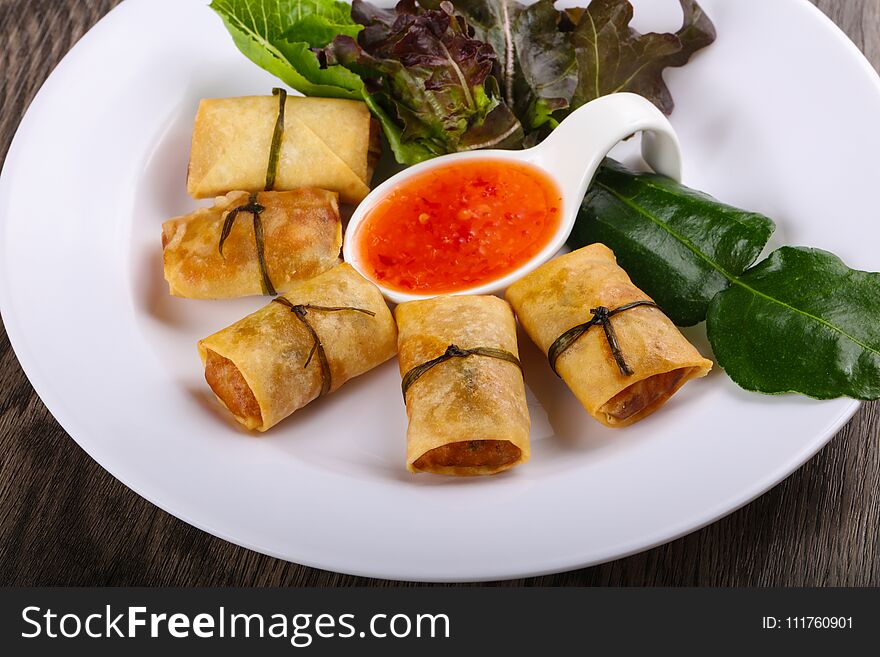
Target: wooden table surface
65 521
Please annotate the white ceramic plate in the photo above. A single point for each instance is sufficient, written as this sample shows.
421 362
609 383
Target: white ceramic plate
778 116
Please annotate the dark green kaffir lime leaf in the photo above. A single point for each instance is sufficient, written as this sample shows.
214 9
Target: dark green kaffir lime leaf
800 321
680 246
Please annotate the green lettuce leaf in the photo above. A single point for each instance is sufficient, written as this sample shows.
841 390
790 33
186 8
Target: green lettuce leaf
494 22
800 321
319 22
331 82
404 153
679 245
259 29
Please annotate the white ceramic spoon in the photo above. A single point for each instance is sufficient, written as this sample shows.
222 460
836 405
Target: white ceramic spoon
570 156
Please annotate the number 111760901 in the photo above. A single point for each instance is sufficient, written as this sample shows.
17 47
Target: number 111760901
807 623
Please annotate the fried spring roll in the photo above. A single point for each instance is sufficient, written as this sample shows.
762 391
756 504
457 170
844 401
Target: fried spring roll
327 142
467 415
562 293
301 237
309 342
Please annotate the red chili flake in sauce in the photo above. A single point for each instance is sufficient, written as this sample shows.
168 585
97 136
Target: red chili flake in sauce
459 226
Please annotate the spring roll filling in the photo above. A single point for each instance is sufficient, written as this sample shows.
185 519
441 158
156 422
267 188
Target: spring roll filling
227 382
470 454
645 394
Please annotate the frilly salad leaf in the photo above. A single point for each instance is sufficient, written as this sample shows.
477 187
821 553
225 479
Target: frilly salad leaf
449 76
494 22
679 245
569 57
800 321
612 57
429 73
548 67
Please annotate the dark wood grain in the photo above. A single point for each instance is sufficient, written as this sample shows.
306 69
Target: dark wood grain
65 521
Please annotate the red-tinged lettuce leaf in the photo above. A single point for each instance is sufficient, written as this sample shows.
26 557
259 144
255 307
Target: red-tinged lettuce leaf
493 21
552 62
614 57
536 66
387 80
425 69
547 64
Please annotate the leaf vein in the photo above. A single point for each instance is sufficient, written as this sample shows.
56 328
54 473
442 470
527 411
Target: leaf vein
662 190
665 226
595 50
824 322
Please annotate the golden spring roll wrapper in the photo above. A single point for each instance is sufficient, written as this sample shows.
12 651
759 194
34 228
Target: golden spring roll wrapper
328 142
302 235
270 346
463 399
559 295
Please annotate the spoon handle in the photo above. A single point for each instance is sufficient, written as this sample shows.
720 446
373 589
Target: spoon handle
576 148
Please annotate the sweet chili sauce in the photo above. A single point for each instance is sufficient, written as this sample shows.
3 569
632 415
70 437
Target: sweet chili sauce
459 226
